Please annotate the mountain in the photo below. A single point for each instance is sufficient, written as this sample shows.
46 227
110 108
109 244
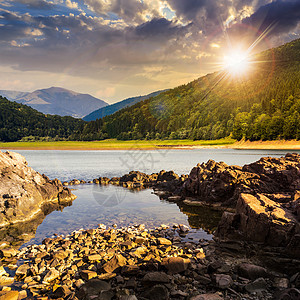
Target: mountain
18 121
263 103
57 101
111 109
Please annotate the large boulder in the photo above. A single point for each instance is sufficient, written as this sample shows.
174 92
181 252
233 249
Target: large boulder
219 182
262 220
24 192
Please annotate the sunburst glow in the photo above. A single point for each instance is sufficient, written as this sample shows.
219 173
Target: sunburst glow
236 63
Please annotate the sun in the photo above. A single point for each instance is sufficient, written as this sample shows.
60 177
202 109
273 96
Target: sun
236 63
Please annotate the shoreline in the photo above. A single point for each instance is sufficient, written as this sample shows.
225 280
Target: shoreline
152 145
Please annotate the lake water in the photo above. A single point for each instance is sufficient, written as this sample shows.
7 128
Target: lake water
116 205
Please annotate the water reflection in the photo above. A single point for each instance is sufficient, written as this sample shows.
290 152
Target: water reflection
17 234
111 205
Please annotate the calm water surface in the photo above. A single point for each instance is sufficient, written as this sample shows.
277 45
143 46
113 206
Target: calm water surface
115 205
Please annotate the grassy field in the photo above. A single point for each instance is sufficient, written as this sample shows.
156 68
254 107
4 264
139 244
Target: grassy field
115 144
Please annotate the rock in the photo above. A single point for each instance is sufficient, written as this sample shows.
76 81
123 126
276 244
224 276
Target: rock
264 194
251 271
116 262
163 241
288 294
94 287
107 276
24 192
88 274
223 281
51 275
257 285
4 280
22 295
261 220
61 292
8 252
22 270
281 283
176 265
9 295
94 257
183 228
2 271
156 277
207 297
157 292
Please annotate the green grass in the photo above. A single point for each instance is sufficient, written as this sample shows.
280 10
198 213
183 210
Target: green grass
113 144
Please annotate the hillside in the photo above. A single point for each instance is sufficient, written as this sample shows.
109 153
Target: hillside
262 104
18 121
57 101
111 109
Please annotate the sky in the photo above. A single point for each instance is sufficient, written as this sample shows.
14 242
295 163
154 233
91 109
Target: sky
114 49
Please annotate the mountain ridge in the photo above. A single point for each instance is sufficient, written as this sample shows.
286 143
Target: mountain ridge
111 109
56 101
262 104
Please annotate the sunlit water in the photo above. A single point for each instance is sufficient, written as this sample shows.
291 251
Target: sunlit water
116 205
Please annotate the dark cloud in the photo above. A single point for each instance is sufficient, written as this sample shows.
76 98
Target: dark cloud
36 4
282 16
188 8
159 28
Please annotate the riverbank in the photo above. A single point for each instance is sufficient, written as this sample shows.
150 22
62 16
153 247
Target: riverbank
114 144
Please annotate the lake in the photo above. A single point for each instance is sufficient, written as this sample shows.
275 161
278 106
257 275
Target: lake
115 205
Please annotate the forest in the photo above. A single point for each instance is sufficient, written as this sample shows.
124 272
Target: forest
263 104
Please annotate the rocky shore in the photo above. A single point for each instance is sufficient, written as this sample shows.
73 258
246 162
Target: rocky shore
137 263
255 253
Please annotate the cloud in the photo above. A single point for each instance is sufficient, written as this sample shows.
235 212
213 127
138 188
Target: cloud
72 5
119 41
36 4
282 15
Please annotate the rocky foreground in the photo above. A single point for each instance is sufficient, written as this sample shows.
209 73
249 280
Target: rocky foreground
136 263
255 253
24 193
261 200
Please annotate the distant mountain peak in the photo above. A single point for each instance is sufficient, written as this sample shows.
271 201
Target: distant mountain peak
57 100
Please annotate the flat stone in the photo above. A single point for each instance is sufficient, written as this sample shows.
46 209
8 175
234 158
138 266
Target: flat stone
61 292
116 262
157 292
163 241
95 286
9 295
8 252
22 270
2 271
94 257
51 275
107 276
88 274
257 285
251 271
175 265
159 277
4 280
